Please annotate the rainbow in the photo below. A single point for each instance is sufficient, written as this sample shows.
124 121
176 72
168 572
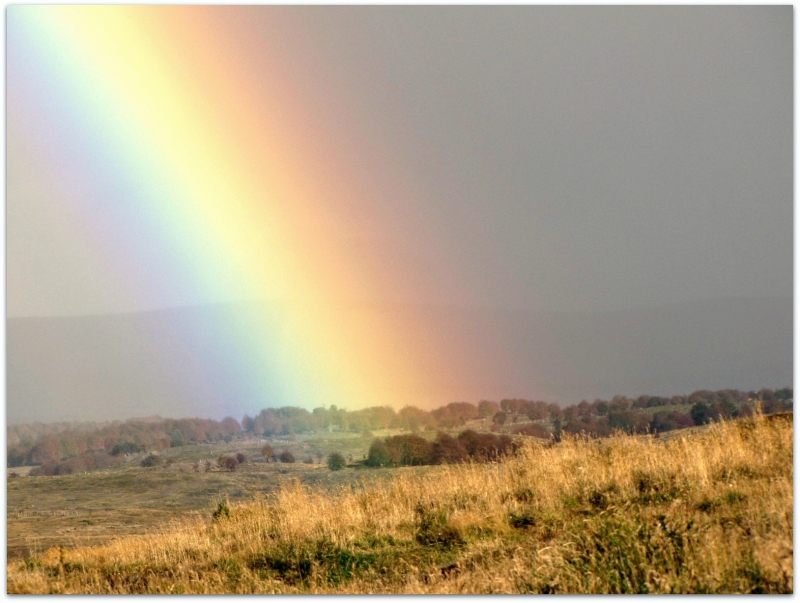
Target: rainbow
215 195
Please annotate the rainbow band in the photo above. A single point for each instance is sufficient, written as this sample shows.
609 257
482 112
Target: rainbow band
214 186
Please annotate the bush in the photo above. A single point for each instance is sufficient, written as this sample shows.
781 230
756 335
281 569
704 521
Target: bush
409 450
487 408
485 447
222 511
240 458
378 455
267 452
446 449
16 457
336 461
700 413
46 468
287 457
667 421
125 448
151 461
622 419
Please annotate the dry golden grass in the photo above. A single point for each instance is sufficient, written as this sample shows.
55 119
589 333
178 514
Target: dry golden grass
709 512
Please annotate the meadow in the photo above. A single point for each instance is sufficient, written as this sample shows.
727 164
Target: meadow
702 511
93 507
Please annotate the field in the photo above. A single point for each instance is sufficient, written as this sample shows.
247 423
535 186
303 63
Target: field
94 507
705 512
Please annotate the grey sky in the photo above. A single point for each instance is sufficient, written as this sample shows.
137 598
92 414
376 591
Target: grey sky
627 167
548 157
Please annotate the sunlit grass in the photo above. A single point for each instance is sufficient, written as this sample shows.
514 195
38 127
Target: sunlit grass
707 512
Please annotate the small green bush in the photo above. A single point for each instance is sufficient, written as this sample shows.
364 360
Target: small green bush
125 448
336 461
151 461
222 511
379 455
522 519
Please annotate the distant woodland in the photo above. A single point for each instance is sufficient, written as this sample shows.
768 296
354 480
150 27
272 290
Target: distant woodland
72 447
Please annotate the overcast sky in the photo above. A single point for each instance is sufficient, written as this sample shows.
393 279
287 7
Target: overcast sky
548 157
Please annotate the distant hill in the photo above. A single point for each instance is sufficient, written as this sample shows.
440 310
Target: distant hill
118 366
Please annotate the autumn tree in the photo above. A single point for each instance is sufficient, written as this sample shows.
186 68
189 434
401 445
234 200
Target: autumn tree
499 418
486 408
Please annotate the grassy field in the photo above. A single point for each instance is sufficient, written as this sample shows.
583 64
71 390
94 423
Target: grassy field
95 507
708 512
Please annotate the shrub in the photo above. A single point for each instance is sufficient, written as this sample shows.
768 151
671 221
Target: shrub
487 408
669 420
287 457
240 458
267 452
231 463
409 450
446 449
622 419
378 455
46 468
485 447
151 461
700 413
222 511
336 461
16 457
125 448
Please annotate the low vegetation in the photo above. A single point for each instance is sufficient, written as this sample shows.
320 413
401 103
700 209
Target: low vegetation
706 512
403 450
336 461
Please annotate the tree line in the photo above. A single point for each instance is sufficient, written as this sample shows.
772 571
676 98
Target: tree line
69 451
58 448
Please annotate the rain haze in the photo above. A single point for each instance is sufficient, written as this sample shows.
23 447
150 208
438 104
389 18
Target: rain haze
556 203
